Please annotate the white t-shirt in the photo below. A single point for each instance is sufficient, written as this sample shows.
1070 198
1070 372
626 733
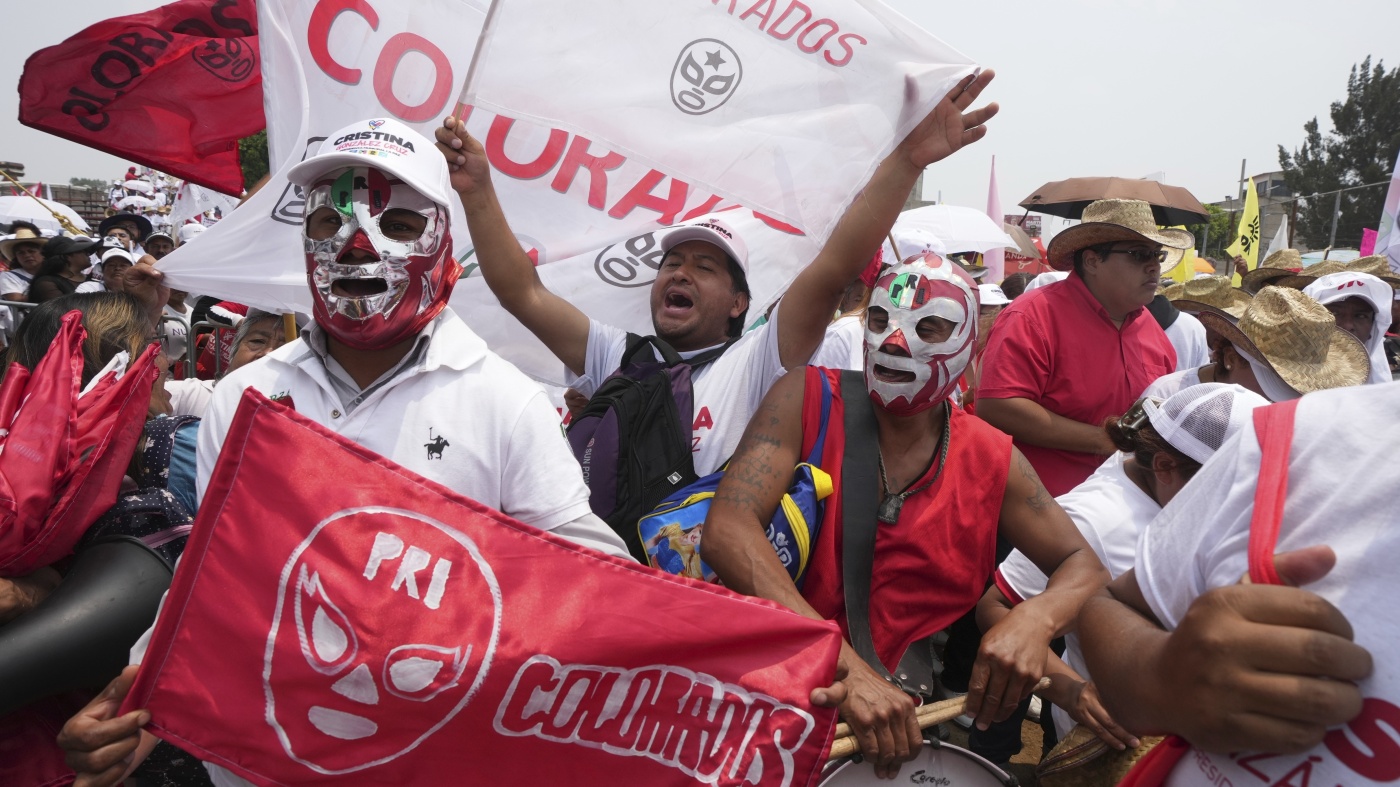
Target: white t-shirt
190 396
727 390
844 344
1339 494
1110 511
1188 336
1169 385
15 282
505 449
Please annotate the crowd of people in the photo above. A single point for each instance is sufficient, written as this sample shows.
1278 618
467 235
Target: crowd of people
1063 476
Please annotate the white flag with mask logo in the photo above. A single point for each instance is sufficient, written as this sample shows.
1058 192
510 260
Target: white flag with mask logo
783 105
588 211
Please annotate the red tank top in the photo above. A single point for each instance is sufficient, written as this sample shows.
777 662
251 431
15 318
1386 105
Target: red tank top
932 566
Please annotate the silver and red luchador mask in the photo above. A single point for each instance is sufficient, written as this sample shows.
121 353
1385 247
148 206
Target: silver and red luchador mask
385 627
377 304
904 372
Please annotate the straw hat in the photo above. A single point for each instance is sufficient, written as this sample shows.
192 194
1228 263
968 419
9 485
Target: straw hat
1376 265
1083 760
1214 291
1283 262
1297 337
22 235
1113 220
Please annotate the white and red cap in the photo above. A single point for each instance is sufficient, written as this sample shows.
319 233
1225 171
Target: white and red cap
385 144
711 230
991 295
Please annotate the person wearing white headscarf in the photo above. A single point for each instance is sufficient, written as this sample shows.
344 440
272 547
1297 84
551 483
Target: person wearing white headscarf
1348 296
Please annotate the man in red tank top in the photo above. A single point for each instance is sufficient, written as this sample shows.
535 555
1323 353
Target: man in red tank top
951 483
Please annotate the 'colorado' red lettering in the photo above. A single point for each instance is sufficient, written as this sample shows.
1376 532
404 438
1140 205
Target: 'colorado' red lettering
325 16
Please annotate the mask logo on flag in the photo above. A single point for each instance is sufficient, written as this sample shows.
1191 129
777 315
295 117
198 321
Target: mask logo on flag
381 636
632 263
706 74
227 58
905 372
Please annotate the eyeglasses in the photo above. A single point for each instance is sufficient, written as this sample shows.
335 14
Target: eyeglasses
1142 255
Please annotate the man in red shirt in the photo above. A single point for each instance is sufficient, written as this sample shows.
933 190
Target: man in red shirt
951 485
1071 354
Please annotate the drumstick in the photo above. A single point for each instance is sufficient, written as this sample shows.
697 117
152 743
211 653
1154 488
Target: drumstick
927 715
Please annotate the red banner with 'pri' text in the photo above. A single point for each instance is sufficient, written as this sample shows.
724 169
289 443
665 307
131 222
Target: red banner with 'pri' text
337 619
174 88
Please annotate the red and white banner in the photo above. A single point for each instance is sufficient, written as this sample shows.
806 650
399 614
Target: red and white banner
587 211
389 631
174 88
784 105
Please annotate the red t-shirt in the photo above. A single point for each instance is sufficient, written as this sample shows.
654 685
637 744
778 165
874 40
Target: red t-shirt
1057 347
932 566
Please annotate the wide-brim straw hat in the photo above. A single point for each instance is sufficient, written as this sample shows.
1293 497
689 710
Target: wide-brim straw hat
22 235
1297 337
1114 220
1083 760
1214 291
1377 265
1282 263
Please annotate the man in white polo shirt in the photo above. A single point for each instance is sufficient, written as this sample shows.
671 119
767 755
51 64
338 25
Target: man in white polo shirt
387 364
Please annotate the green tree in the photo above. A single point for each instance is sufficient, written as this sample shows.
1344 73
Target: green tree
1360 149
1217 231
87 183
252 157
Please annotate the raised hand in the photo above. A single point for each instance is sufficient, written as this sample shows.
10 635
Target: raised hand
466 159
950 126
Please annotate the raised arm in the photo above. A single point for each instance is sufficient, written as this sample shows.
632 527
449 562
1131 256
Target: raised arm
807 307
736 547
1012 655
507 269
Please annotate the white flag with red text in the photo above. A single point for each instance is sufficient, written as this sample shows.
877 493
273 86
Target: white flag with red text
784 105
588 210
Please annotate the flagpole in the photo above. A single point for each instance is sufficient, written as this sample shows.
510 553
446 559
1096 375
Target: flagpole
461 110
62 219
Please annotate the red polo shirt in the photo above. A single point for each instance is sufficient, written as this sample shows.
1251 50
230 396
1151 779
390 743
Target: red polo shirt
1057 347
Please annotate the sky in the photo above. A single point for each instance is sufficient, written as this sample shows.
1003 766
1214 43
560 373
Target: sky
1186 88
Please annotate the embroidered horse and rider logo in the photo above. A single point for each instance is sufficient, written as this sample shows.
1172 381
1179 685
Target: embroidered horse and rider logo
435 445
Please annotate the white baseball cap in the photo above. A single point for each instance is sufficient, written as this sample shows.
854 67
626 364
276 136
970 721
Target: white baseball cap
711 230
1197 420
385 144
991 295
117 252
189 232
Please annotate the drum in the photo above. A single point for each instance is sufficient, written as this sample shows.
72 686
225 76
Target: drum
938 765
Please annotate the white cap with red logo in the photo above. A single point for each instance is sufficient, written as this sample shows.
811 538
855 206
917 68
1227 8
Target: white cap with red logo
711 230
385 144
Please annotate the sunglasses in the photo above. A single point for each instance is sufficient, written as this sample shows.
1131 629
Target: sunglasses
1142 255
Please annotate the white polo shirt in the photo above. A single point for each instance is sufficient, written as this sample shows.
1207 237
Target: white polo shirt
1340 493
727 390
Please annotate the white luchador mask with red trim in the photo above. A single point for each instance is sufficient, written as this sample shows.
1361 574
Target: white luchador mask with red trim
920 333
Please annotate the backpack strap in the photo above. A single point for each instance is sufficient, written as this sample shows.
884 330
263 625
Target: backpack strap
859 497
667 353
1273 426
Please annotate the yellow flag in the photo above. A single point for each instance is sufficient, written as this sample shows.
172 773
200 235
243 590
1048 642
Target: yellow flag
1186 269
1247 241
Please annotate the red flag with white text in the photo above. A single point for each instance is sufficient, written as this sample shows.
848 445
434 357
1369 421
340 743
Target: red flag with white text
337 619
173 88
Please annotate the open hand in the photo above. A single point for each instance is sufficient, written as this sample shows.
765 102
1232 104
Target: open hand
950 126
1085 707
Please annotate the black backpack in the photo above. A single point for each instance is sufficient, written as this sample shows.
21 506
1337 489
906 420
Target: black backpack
633 438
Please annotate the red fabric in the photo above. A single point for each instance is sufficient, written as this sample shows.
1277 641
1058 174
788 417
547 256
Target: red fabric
64 457
29 753
1273 425
1156 766
534 653
174 88
933 566
1006 589
1057 347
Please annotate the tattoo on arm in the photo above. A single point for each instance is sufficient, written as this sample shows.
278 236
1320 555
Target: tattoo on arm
1039 499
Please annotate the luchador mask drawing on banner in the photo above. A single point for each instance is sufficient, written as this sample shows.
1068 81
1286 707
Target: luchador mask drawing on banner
381 635
920 331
